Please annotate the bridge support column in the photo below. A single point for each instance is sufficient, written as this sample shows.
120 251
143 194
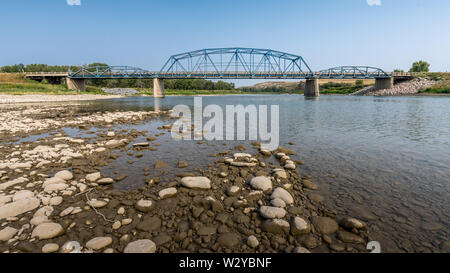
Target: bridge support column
158 88
311 88
384 83
76 84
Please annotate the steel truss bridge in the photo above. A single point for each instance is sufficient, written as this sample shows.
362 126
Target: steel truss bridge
231 63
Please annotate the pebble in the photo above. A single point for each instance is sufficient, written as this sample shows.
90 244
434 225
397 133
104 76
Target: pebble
166 193
229 239
50 248
272 212
121 211
97 203
351 223
140 246
299 226
325 225
64 175
278 203
261 183
55 201
144 205
93 177
116 225
18 207
300 249
309 185
47 231
196 182
282 194
252 241
7 233
105 181
99 243
23 194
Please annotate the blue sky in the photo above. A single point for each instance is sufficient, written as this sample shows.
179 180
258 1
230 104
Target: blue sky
145 33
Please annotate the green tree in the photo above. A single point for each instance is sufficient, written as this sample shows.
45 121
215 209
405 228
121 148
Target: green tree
420 66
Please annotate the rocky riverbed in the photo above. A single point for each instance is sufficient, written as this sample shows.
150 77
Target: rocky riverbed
405 88
54 196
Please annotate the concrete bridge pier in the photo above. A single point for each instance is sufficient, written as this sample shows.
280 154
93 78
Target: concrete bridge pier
311 88
76 84
158 88
384 83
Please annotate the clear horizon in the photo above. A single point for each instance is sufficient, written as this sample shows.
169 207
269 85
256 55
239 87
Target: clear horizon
387 34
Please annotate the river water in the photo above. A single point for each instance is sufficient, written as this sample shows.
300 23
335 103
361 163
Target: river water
385 160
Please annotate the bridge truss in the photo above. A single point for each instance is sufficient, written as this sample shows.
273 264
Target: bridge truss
231 63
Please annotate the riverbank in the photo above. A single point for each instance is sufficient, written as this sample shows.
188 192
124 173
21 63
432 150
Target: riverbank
8 99
54 194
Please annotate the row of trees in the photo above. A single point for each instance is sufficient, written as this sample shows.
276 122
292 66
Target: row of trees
180 84
20 68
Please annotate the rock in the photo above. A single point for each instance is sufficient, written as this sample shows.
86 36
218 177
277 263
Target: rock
47 231
308 241
325 225
55 201
93 177
16 208
37 220
351 223
196 182
272 212
278 203
233 191
162 239
64 175
44 211
282 194
300 249
207 230
7 233
212 204
182 164
160 164
144 205
276 226
97 203
99 243
121 211
50 248
110 134
299 226
337 247
53 180
141 246
252 241
65 212
309 185
142 144
280 174
348 237
316 198
290 166
23 194
105 181
229 239
150 224
55 187
114 143
166 193
261 183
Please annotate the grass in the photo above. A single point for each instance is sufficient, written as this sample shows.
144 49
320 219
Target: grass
443 85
